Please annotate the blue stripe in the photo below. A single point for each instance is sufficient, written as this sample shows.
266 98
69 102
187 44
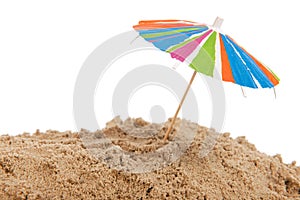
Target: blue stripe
253 67
165 42
239 70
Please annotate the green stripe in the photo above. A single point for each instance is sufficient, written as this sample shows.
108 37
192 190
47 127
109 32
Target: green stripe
204 61
276 77
173 48
153 35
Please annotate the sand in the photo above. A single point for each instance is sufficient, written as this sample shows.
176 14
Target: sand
129 160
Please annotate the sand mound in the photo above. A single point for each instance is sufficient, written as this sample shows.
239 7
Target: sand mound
196 163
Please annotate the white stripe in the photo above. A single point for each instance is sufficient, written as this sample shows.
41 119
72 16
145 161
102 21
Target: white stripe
255 80
196 35
218 62
191 57
245 65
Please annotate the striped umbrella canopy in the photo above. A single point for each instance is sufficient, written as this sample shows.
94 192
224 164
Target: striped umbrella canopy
205 49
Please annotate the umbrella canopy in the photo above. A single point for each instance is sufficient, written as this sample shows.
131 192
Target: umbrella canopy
205 49
208 51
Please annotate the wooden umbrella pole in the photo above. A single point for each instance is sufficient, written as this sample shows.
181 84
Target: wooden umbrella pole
179 106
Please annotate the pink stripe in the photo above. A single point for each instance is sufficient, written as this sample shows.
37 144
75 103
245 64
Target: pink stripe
183 52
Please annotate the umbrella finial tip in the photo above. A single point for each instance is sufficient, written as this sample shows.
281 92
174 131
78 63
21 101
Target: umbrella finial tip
218 22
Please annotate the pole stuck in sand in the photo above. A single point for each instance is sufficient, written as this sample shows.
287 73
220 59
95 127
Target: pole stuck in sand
179 107
217 24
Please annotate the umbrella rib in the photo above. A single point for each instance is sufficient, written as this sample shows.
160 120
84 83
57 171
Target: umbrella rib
244 94
135 39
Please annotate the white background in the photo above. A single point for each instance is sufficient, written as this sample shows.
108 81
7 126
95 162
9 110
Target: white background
43 45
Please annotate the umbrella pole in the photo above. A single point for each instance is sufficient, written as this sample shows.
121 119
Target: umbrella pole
179 106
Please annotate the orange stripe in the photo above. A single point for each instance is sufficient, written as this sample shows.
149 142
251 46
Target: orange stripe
154 26
226 70
163 21
266 71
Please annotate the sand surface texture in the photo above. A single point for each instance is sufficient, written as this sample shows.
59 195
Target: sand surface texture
128 160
